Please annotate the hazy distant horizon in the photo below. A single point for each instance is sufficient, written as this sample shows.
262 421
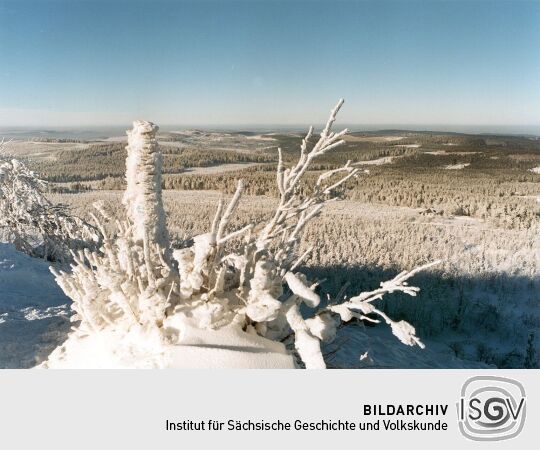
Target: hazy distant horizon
88 132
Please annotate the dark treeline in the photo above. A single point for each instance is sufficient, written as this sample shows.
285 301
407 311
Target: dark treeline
101 161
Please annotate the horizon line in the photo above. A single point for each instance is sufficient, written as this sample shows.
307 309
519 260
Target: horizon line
526 130
42 127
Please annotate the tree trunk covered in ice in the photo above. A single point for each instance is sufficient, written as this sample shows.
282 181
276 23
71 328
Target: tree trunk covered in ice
142 197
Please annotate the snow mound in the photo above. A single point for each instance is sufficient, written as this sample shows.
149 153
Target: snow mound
228 347
535 170
225 348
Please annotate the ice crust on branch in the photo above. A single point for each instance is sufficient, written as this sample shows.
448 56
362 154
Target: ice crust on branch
30 221
231 295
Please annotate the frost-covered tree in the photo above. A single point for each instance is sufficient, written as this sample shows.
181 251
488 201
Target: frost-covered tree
231 298
30 221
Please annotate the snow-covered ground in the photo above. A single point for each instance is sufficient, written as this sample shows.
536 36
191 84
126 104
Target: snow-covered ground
33 309
370 138
376 162
381 352
444 152
457 166
408 145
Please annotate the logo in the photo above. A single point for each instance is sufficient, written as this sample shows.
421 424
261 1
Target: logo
491 408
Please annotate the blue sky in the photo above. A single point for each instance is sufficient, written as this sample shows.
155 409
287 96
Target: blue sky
77 63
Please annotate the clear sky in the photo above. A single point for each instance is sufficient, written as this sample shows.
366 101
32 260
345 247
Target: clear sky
78 63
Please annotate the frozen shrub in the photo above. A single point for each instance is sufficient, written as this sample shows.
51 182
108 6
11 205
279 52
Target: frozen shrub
30 221
138 301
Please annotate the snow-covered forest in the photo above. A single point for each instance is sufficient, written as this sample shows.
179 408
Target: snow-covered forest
304 260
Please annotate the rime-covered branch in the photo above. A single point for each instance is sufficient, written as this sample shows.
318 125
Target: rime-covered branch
294 211
30 221
361 305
